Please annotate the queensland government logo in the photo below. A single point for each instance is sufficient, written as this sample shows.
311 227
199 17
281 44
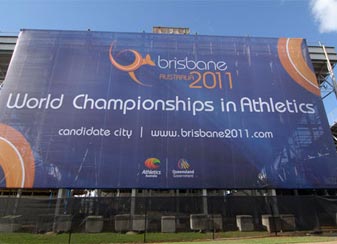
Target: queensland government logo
138 62
152 165
184 170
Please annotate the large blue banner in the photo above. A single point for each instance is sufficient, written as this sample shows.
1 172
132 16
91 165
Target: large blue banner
137 110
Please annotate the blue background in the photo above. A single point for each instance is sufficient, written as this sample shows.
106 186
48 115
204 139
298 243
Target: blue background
300 155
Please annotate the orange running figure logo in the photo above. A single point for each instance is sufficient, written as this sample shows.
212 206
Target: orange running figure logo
131 68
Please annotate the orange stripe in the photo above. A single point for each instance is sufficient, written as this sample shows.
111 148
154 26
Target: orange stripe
11 165
10 161
298 65
294 46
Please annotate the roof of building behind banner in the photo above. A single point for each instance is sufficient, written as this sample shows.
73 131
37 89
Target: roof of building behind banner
7 44
319 61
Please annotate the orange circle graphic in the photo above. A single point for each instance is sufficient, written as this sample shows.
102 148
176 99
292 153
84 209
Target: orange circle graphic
16 158
291 57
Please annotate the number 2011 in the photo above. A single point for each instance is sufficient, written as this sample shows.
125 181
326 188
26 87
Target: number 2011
211 80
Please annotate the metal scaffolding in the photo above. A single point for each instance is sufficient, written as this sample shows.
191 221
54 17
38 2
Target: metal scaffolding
324 60
7 44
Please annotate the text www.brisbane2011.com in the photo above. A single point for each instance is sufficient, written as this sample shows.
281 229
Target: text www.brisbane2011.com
200 133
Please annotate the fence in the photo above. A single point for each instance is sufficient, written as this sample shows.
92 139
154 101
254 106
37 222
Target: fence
167 214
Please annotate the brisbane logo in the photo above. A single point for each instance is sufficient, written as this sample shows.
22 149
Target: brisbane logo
204 73
138 62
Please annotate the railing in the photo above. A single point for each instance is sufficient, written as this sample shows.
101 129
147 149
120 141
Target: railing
168 214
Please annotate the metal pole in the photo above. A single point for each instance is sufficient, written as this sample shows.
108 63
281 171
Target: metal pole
328 64
204 201
133 202
18 196
145 220
60 196
272 216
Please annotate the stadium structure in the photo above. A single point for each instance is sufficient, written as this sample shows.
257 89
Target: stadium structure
171 208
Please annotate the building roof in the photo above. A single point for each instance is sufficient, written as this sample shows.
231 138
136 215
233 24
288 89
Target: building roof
7 44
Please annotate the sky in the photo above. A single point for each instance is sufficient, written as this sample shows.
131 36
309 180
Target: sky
314 20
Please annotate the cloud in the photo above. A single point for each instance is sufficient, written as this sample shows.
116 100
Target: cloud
325 13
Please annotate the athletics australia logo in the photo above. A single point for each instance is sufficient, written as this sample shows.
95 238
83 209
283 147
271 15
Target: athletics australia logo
138 62
184 170
152 165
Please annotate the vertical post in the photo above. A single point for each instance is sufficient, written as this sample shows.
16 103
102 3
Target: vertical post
205 205
177 201
334 83
274 202
133 202
213 225
255 193
145 220
271 203
204 201
98 197
177 207
272 216
296 192
18 196
318 224
69 237
273 208
60 195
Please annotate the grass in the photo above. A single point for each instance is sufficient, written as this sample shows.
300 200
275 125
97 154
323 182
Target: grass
195 238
